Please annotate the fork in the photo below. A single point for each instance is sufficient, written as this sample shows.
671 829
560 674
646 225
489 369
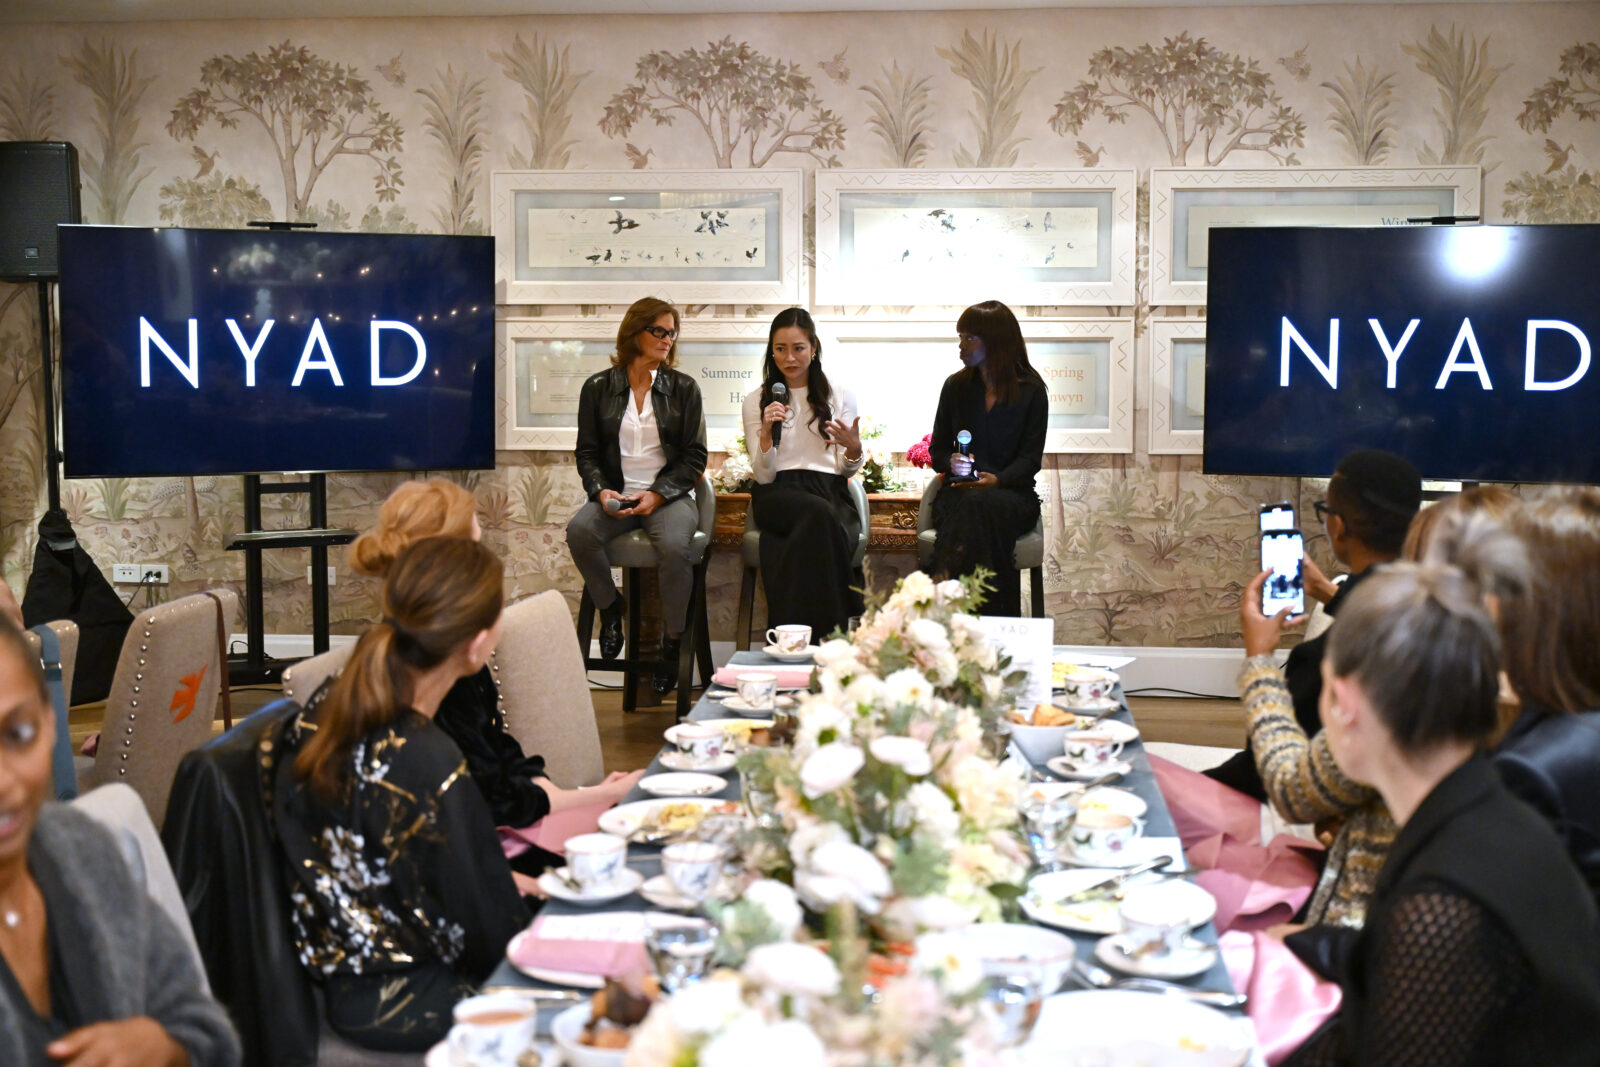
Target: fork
1098 977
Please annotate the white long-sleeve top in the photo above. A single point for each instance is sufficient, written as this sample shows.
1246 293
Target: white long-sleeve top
801 446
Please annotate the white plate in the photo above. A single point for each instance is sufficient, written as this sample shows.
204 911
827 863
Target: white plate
1115 729
1139 850
551 883
1102 798
1100 916
1194 957
1119 1028
791 657
624 820
744 707
683 784
1067 769
575 979
680 761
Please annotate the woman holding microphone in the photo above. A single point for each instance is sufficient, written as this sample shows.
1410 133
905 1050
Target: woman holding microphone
804 440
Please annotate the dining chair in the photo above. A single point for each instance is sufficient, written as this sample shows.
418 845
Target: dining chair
1028 554
301 679
66 766
544 690
750 552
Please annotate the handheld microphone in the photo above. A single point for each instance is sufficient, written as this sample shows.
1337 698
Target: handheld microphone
613 504
780 394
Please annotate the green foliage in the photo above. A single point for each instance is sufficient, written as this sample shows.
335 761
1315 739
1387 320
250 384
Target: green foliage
111 76
456 119
902 115
740 98
1194 93
1363 112
1570 195
997 80
330 216
534 490
1461 68
1577 90
114 497
27 108
546 77
311 110
920 867
220 201
387 220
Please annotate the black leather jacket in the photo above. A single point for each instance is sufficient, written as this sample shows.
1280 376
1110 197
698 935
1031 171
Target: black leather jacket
1552 761
680 419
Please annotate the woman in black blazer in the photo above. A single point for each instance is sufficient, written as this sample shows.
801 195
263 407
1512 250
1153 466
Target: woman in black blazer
1001 401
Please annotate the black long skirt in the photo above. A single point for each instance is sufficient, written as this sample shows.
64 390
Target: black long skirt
809 527
979 528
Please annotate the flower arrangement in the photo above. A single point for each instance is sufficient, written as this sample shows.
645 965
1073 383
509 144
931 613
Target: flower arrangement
918 455
736 475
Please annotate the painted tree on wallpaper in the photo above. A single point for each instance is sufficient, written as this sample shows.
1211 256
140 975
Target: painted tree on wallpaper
27 108
312 111
743 101
1362 112
1460 67
111 170
1563 193
902 115
997 79
546 76
455 117
1198 96
220 201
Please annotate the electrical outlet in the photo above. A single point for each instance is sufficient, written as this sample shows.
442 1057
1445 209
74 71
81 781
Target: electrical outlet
135 573
333 575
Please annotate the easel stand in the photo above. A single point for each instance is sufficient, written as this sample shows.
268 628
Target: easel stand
254 667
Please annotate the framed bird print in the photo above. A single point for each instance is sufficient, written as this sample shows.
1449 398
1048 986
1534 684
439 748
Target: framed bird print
610 237
1185 203
1028 237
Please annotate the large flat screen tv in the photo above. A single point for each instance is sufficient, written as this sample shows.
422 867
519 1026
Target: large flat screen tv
189 352
1466 349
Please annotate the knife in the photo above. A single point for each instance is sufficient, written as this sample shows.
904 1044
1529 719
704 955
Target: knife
1100 889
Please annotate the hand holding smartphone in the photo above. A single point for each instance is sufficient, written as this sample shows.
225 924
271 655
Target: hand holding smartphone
1282 552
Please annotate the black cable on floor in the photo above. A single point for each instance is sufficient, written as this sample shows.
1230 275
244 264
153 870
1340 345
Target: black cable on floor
1162 690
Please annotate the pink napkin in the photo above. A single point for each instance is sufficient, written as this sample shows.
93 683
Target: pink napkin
567 949
1202 807
788 677
1287 1001
552 831
1256 887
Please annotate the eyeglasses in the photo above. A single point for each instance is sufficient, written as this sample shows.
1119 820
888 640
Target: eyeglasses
660 333
1322 509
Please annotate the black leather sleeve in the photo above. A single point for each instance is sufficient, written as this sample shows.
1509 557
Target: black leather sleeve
590 451
682 473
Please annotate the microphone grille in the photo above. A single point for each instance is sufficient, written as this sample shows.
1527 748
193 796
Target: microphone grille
779 391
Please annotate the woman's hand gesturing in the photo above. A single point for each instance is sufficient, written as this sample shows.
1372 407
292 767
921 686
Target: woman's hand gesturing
848 435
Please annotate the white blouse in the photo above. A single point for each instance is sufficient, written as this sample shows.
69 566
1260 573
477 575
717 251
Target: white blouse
640 439
801 446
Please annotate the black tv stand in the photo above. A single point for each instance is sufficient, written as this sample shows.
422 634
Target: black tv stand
254 667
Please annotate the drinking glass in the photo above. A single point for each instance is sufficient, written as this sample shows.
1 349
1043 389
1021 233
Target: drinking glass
1047 822
680 947
1015 997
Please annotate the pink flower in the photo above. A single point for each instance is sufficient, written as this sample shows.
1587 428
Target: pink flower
917 455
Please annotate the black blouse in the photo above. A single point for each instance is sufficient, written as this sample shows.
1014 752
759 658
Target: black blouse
1007 440
470 715
405 868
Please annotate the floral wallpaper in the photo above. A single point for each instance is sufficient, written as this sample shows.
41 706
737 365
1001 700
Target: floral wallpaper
396 124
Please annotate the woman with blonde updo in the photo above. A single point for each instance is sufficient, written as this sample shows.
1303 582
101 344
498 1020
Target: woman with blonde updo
513 783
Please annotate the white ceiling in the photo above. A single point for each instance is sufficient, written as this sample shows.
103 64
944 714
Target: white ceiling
165 10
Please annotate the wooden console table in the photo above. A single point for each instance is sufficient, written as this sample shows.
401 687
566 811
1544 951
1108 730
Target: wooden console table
894 520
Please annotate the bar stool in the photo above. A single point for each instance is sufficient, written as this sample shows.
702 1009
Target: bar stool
633 552
750 550
1028 555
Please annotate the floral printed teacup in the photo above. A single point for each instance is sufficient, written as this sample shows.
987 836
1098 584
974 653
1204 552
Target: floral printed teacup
1087 687
492 1030
1104 833
1089 750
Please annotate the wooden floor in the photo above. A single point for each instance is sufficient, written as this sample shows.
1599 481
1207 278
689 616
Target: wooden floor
630 741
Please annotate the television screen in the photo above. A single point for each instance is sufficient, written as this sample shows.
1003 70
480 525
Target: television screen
190 352
1465 349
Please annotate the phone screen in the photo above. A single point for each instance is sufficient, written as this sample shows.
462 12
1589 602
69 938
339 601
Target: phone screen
1281 553
1277 517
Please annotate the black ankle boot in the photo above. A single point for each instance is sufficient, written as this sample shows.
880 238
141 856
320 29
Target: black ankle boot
666 676
611 630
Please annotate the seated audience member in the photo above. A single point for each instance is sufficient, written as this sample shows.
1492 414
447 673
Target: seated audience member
401 896
513 783
809 525
1372 498
1481 939
91 971
641 450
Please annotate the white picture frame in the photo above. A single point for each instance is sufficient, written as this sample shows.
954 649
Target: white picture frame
1286 196
576 255
881 235
721 354
1177 412
896 370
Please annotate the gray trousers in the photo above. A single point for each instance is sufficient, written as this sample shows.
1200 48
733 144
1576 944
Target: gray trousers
670 529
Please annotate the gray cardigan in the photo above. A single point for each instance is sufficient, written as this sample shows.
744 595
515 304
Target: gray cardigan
142 965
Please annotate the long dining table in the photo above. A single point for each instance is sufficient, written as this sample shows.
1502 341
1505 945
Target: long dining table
646 859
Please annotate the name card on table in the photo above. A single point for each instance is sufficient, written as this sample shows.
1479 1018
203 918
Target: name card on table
1029 643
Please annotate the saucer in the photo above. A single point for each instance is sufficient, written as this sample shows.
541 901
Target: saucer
682 784
1139 850
1065 768
663 894
1093 706
1194 958
791 657
552 884
682 761
744 707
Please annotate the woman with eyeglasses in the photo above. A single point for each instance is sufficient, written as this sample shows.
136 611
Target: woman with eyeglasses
641 451
1000 400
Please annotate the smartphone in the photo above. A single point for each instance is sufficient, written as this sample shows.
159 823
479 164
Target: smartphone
1282 552
1277 517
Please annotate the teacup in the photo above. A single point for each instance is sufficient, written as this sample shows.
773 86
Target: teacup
1089 750
700 742
790 637
1104 833
694 867
596 861
1086 687
758 689
1155 920
492 1030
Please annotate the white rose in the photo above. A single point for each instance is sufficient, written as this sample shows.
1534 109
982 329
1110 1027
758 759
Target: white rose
945 666
933 811
907 753
929 634
864 691
810 835
656 1042
787 1043
830 767
949 590
793 970
837 655
778 901
950 959
917 587
907 686
706 1007
841 870
910 916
